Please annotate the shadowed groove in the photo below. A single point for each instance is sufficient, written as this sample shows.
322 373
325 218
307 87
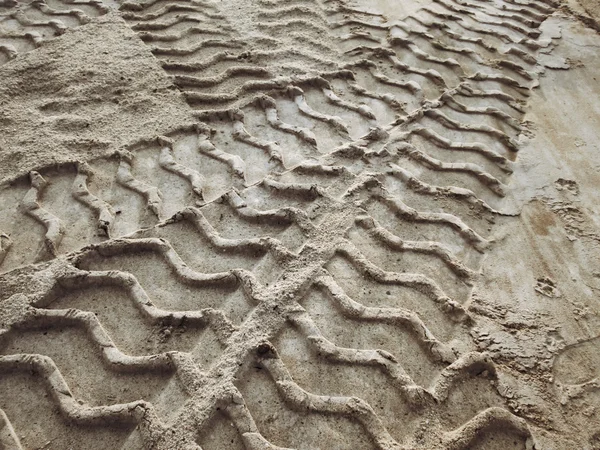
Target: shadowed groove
427 189
126 179
353 407
415 281
103 210
428 247
30 205
484 177
395 316
82 414
167 161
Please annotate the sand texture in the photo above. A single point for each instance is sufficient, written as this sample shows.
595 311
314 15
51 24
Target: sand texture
299 224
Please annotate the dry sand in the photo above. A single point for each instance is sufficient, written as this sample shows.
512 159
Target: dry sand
266 225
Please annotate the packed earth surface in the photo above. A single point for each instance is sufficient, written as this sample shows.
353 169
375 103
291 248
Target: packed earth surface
299 224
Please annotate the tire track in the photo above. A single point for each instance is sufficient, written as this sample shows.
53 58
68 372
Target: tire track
317 136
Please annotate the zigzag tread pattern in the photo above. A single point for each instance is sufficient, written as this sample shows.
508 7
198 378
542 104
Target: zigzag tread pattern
25 25
342 174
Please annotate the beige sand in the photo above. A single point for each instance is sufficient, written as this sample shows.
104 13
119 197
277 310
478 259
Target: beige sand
300 224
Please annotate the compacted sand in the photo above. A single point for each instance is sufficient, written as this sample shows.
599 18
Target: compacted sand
309 224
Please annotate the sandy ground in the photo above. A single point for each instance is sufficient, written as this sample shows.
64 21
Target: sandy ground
543 275
338 254
592 8
87 94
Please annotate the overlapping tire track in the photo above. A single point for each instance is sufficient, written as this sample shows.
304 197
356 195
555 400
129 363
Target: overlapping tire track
347 133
